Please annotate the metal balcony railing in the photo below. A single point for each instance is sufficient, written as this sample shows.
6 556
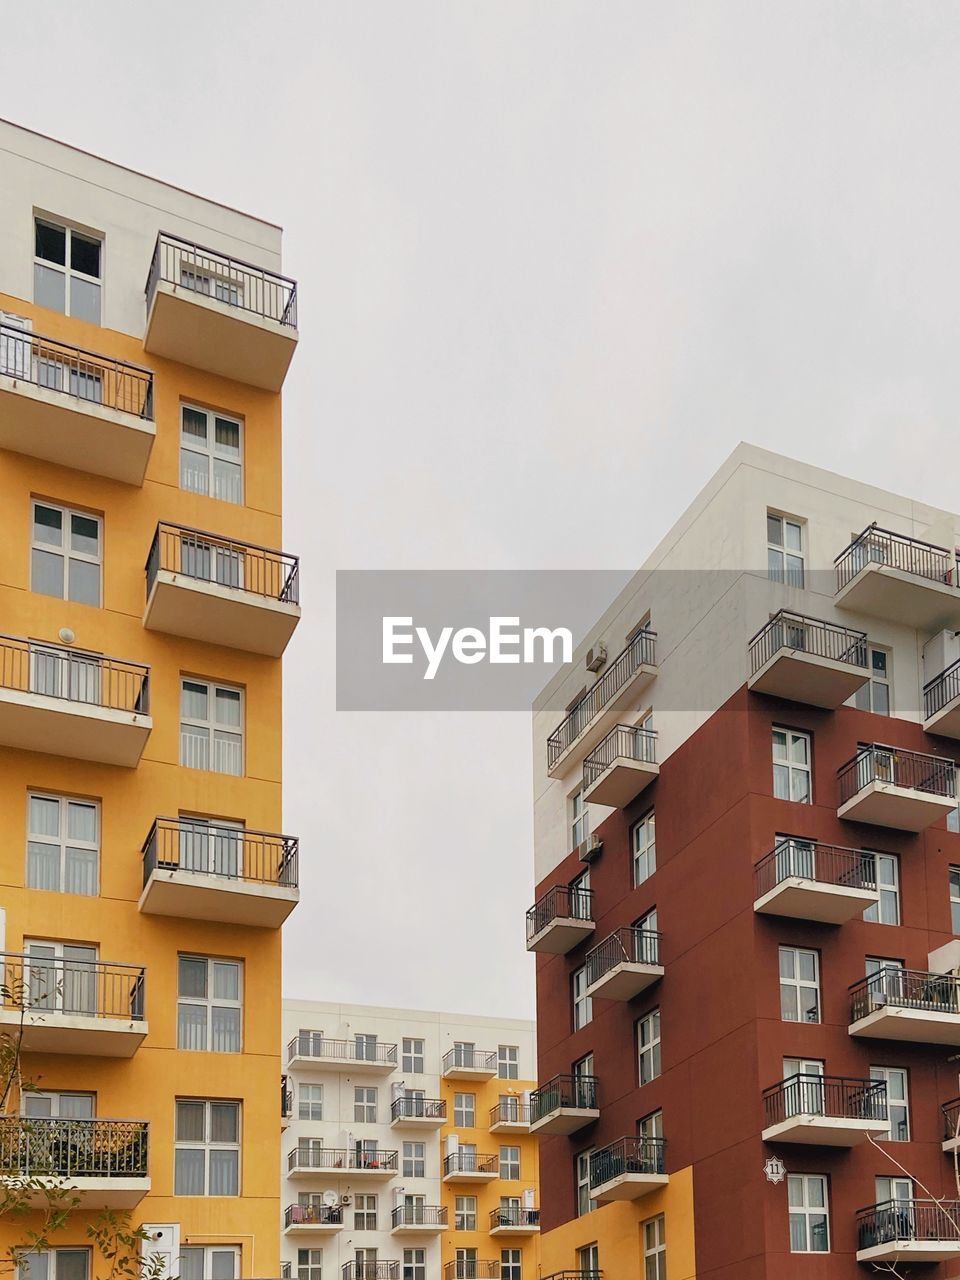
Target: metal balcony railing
206 557
623 946
469 1059
461 1161
574 1275
77 375
876 763
911 1220
905 989
53 986
562 902
472 1269
312 1215
419 1215
941 690
370 1271
510 1111
286 1099
833 1096
330 1158
514 1216
627 1155
418 1109
312 1044
224 278
821 863
204 848
56 671
577 1093
882 546
33 1146
640 652
951 1119
623 741
789 630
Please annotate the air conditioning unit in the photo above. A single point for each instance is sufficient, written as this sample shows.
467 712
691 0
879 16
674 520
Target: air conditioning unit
591 849
345 1199
596 656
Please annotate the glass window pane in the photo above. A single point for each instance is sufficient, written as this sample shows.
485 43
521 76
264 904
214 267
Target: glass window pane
222 1265
47 526
227 438
85 254
774 530
226 981
228 707
191 1264
225 1030
189 1122
224 1122
44 816
43 866
193 700
51 242
188 1173
72 1264
84 581
46 576
85 300
76 1106
49 288
192 1027
224 1173
194 425
80 872
81 821
792 535
85 535
192 977
227 481
194 471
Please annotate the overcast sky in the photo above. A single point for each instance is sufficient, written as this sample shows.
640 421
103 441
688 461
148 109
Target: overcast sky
555 260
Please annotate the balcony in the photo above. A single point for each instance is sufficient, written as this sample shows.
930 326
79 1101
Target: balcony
906 1231
103 1163
465 1063
824 1111
510 1115
65 702
286 1103
468 1166
465 1269
888 575
418 1220
514 1221
621 767
624 964
370 1271
941 703
312 1219
564 1104
310 1161
888 787
560 920
810 881
574 1275
951 1125
807 660
201 871
627 1169
312 1050
586 723
906 1005
223 592
418 1113
93 1008
213 312
73 407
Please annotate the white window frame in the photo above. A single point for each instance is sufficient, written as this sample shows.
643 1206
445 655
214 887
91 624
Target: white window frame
309 1101
70 273
364 1211
585 1203
55 1097
794 773
803 1211
778 551
72 968
954 882
588 1258
465 1213
212 728
649 1056
66 551
867 697
206 1253
413 1054
415 1264
579 819
207 1145
210 1002
63 841
364 1106
509 1163
582 1003
465 1110
312 1268
45 1265
643 842
897 1081
655 1248
511 1262
414 1160
797 984
508 1062
208 451
889 888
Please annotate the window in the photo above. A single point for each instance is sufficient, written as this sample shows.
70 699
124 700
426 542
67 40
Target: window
655 1249
648 1046
648 944
414 1159
465 1110
791 766
206 1262
66 554
63 1106
414 1264
898 1107
579 901
588 1258
582 1175
803 1096
366 1047
310 1101
510 1163
809 1225
207 1148
55 1264
644 848
582 1003
309 1264
579 829
875 694
365 1213
466 1268
67 270
884 870
583 1073
508 1062
799 985
413 1055
364 1104
508 1108
784 550
465 1218
63 844
893 1189
69 984
510 1264
211 454
955 899
651 1126
209 1004
211 727
365 1263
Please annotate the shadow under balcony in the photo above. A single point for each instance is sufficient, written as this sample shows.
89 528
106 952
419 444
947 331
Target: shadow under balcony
418 1113
889 787
906 1005
310 1161
510 1115
564 1104
470 1166
418 1220
311 1049
312 1219
202 871
807 660
905 1231
209 588
890 575
621 767
75 408
560 920
512 1220
102 1163
65 702
624 964
627 1169
805 880
824 1111
211 311
463 1063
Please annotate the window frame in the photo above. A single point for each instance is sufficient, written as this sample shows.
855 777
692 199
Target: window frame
643 848
508 1068
649 1051
309 1102
885 1073
464 1218
212 726
365 1103
363 1211
792 767
460 1111
210 1002
508 1166
582 1004
786 575
66 268
806 1211
799 984
654 1245
410 1057
207 1146
65 551
886 892
62 842
867 692
209 453
413 1159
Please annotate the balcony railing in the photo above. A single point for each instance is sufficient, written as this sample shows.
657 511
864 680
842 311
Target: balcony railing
562 902
628 1155
941 690
312 1215
418 1109
370 1271
914 1220
206 849
574 1275
514 1216
578 1093
51 985
223 278
329 1159
641 651
510 1111
789 630
311 1045
834 1096
32 1146
910 769
84 377
55 671
461 1161
951 1120
622 742
624 946
905 989
205 557
476 1269
822 863
469 1059
286 1100
419 1215
882 546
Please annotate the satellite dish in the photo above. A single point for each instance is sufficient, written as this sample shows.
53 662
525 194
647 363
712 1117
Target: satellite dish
331 1199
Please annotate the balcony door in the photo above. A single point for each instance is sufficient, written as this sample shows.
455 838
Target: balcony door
584 1095
62 978
804 1096
467 1265
463 1053
413 1102
57 673
211 562
795 858
211 848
